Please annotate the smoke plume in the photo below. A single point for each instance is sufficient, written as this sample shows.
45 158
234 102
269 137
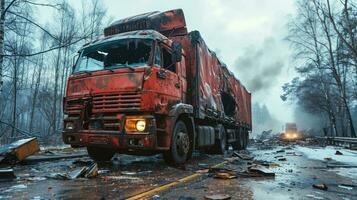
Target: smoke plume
259 67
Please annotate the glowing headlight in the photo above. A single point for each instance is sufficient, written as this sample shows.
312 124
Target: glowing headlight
140 125
135 125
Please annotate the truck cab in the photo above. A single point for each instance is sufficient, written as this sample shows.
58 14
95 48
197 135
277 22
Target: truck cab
120 92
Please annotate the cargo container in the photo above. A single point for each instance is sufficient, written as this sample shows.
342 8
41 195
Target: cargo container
149 86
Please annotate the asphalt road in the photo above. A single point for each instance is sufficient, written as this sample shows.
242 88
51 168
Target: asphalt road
127 176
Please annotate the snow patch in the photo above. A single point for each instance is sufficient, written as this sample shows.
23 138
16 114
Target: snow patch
348 157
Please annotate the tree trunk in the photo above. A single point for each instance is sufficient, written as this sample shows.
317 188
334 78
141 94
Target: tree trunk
2 27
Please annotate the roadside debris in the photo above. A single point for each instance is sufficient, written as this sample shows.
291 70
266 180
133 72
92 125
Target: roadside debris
243 156
77 173
86 172
264 163
257 171
321 186
217 197
7 174
19 150
92 171
282 159
338 153
225 174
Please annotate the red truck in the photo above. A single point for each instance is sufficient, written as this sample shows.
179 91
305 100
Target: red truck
149 86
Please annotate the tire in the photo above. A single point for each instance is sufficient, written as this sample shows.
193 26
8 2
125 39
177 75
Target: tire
180 145
220 146
100 154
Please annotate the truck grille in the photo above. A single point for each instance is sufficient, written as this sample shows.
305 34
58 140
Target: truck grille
116 102
74 106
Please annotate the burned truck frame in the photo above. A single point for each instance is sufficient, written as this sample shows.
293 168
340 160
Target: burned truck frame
148 86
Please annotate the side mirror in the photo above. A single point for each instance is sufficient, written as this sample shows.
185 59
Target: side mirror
176 51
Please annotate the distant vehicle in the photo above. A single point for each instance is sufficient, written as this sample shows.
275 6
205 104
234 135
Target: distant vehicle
291 133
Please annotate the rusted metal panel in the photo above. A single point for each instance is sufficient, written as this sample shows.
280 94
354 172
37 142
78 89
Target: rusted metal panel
169 23
20 149
208 78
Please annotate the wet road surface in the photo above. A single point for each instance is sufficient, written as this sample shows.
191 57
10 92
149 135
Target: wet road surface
127 176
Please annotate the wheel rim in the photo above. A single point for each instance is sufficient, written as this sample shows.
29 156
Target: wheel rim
182 143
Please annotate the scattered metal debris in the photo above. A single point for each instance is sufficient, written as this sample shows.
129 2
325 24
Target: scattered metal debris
243 156
321 186
92 171
19 150
77 173
7 174
282 159
258 171
87 172
225 174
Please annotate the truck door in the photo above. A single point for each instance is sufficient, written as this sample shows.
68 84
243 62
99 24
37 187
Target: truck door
169 75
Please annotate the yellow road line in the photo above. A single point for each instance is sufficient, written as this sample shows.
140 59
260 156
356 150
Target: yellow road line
152 192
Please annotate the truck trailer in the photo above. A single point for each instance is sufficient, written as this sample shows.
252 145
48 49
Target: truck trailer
149 86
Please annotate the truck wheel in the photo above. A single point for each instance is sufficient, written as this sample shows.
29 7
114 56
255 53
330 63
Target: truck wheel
221 144
180 145
100 154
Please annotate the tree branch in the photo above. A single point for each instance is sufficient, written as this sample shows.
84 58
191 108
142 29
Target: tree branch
34 23
45 51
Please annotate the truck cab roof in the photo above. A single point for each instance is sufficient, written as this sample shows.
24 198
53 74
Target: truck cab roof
140 34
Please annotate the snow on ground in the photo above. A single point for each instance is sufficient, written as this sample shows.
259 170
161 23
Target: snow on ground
51 147
348 157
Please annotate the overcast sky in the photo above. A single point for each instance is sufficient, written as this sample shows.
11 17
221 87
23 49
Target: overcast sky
248 35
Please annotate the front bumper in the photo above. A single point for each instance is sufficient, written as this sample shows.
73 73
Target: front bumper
111 139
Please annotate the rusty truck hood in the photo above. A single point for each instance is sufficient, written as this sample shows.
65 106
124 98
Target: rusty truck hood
118 80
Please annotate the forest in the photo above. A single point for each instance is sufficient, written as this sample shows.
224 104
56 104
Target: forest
37 52
323 36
